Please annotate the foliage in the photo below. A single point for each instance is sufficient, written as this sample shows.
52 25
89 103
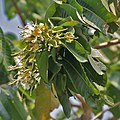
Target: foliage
11 106
56 58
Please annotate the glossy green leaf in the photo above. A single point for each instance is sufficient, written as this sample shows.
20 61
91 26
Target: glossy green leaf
75 4
42 64
70 10
62 95
30 96
50 11
98 8
54 67
95 65
77 50
11 36
63 20
94 76
94 20
95 53
105 3
58 1
80 81
70 23
78 77
5 50
64 80
84 42
11 106
112 27
116 111
114 6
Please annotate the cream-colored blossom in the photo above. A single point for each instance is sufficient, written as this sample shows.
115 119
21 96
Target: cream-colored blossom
37 37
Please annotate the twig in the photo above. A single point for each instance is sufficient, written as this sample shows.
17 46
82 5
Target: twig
19 12
85 106
100 113
87 111
107 44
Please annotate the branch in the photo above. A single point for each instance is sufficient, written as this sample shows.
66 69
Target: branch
87 112
107 44
18 12
100 113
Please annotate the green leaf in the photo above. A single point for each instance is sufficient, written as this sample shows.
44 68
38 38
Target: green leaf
63 20
54 67
115 66
70 23
105 3
42 64
113 27
114 93
70 10
11 36
12 107
58 1
94 20
62 95
45 102
114 6
84 42
64 80
98 8
95 65
3 113
108 100
26 93
77 50
116 111
3 74
50 11
75 4
95 53
97 19
5 58
93 75
78 77
79 80
5 51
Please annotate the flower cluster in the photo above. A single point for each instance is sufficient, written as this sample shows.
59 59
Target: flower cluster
36 38
41 36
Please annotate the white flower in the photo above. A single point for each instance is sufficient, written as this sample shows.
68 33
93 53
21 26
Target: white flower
27 31
26 86
18 60
41 24
34 40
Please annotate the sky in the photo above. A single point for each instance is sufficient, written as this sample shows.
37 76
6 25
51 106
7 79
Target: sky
9 26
